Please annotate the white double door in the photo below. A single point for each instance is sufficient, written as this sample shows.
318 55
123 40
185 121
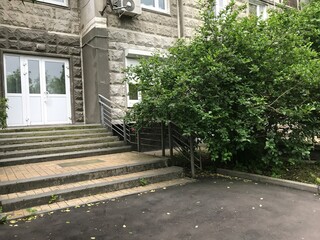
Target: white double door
37 89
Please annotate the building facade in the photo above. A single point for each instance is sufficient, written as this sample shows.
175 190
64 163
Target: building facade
56 56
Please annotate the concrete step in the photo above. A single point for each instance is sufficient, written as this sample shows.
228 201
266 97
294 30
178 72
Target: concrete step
7 187
48 132
56 143
21 140
52 150
65 155
95 199
49 128
63 192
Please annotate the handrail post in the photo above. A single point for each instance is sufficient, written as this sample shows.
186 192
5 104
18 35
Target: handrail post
138 141
192 156
101 114
124 131
163 144
170 139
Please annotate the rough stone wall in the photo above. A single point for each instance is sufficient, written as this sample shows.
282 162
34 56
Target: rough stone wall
151 31
40 16
23 28
191 17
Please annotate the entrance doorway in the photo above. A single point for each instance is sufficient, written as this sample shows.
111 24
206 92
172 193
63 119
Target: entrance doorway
37 89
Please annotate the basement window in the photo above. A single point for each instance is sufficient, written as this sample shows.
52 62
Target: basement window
56 2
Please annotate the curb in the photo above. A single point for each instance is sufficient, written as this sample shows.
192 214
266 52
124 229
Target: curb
280 182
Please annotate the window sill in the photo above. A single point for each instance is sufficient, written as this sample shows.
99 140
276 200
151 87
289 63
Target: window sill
154 10
54 5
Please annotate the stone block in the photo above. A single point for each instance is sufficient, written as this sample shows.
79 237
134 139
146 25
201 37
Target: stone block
116 66
31 35
78 105
76 72
117 90
13 44
76 61
77 83
3 32
39 10
116 55
79 116
51 48
78 94
12 34
75 51
60 26
119 36
116 78
119 100
68 41
3 43
52 38
28 46
62 50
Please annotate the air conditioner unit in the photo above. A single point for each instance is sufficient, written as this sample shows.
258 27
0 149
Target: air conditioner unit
127 7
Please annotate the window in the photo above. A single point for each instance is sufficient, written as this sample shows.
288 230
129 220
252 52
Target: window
220 5
56 2
133 95
258 9
158 5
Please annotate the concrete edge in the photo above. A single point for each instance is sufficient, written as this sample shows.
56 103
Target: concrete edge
112 195
75 173
264 179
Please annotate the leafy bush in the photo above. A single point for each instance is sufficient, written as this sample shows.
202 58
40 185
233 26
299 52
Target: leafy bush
3 112
249 88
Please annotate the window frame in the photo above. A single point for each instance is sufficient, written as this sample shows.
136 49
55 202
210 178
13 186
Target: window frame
157 8
259 4
53 2
135 55
218 7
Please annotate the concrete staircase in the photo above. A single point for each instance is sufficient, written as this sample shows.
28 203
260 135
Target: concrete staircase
47 186
36 144
52 168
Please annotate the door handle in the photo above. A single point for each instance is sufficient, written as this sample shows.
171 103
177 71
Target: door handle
45 99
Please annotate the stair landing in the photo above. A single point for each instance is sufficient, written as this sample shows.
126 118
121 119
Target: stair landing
118 173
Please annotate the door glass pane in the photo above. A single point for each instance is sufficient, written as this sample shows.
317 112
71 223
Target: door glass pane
13 74
133 91
148 2
34 76
55 77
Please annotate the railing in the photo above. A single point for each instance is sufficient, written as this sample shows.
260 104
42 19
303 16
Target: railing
112 117
156 135
188 146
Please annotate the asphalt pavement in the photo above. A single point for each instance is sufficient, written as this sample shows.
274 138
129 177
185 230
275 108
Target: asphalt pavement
209 209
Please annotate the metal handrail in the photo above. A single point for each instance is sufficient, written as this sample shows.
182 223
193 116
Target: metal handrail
186 146
116 122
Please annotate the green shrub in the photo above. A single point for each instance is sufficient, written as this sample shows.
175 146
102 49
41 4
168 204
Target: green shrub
3 112
249 88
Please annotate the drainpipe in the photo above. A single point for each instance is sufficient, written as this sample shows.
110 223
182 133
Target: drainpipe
180 19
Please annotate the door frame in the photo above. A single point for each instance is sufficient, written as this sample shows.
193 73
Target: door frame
24 57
